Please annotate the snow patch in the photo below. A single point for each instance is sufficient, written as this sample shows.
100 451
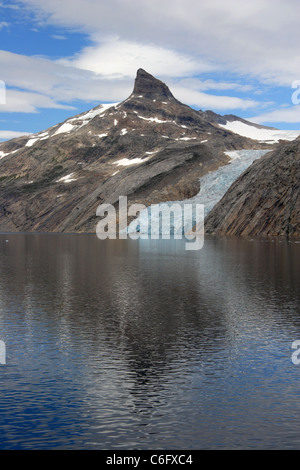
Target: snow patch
2 154
31 142
43 134
155 119
133 161
94 112
66 127
67 179
271 136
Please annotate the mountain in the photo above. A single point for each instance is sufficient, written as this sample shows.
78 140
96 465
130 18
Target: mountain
223 120
150 147
240 126
264 200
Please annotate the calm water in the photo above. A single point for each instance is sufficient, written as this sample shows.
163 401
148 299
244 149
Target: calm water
143 345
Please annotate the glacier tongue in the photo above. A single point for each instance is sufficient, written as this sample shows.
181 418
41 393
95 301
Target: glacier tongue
213 186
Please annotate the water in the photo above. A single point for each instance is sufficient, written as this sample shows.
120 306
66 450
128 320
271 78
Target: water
143 345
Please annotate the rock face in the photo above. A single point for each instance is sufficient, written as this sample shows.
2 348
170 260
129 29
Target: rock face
265 200
150 88
150 148
218 119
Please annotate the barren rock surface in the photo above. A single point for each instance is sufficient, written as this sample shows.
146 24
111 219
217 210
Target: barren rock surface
265 200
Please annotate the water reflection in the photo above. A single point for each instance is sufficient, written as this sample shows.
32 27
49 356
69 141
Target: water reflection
125 344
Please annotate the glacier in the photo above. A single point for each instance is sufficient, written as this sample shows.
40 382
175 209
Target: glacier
213 187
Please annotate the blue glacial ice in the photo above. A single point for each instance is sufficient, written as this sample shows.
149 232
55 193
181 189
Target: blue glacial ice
213 186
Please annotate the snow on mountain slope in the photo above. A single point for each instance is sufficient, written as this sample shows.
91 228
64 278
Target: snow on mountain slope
271 136
94 112
69 125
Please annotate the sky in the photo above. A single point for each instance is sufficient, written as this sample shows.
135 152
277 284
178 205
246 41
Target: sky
59 58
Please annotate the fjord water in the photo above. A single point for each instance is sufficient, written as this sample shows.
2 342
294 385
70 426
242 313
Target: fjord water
143 345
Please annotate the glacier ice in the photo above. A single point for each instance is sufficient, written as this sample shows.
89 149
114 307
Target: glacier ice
213 186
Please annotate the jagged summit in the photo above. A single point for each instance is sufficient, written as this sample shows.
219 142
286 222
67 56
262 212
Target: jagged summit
150 87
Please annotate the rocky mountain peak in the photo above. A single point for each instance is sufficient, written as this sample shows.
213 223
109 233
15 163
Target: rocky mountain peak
150 147
150 87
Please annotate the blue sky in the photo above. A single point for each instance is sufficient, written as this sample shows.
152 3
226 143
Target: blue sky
61 57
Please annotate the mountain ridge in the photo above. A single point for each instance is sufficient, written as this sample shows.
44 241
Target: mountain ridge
265 200
150 147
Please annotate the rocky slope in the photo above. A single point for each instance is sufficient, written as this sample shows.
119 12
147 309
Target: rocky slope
218 119
150 148
265 200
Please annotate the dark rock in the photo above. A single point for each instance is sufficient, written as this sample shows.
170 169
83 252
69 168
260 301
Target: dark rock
150 87
265 200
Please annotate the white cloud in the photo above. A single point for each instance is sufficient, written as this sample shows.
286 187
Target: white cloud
49 84
3 24
260 38
174 40
291 115
4 135
197 84
118 58
26 102
59 37
11 6
214 102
